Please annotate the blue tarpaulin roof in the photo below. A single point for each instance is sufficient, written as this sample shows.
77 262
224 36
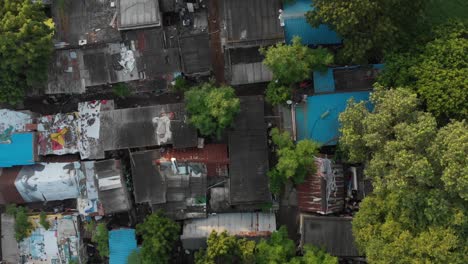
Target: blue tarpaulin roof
19 152
295 24
122 243
318 118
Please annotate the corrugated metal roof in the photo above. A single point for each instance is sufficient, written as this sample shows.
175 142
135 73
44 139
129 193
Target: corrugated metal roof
139 14
317 119
296 25
240 224
334 234
19 152
215 156
10 252
246 73
8 192
251 22
324 82
122 243
248 154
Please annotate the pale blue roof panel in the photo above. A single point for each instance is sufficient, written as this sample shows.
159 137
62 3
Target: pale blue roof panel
20 150
122 243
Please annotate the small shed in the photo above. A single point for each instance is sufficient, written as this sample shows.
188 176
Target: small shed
295 24
135 14
334 234
122 243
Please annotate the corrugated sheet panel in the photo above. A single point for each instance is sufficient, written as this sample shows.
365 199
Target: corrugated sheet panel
334 234
240 224
19 152
250 73
311 194
324 82
317 119
298 26
139 14
215 156
121 244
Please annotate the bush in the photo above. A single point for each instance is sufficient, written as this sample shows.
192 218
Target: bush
43 221
277 94
23 227
101 238
121 90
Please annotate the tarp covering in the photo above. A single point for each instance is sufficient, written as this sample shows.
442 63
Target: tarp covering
121 244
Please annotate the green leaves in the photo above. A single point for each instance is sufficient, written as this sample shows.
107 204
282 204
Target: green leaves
159 236
436 71
368 27
419 179
295 63
23 227
294 161
43 221
278 249
211 109
25 47
101 238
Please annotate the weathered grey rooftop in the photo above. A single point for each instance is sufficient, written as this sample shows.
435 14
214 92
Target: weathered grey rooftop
334 234
84 20
355 78
65 72
10 252
146 126
135 14
113 193
148 184
248 154
180 194
195 53
251 22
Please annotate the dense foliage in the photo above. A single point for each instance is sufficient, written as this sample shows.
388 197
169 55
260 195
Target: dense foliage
23 227
369 27
25 47
418 211
436 71
291 64
101 238
278 249
224 248
294 63
295 161
159 235
211 109
43 221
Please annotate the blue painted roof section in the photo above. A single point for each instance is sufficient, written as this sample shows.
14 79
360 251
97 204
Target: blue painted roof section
19 152
318 118
295 24
122 243
324 82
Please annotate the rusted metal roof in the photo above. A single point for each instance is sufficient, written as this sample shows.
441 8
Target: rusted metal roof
215 156
8 192
312 197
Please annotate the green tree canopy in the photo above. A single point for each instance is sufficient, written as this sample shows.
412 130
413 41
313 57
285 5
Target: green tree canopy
43 221
368 27
25 47
159 235
101 238
224 248
211 109
436 71
278 249
294 63
418 211
23 227
295 161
